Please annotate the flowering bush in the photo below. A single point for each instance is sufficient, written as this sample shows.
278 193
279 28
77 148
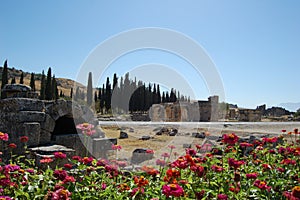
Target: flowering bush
270 171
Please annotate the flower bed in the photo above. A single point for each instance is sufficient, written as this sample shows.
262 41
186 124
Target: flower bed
269 171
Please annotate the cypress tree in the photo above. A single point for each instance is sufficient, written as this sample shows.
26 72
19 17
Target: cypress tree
158 94
43 86
107 95
48 89
95 96
90 90
22 78
54 88
71 93
102 99
13 80
32 82
77 94
4 74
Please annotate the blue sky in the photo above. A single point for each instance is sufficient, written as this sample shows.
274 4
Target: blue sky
255 45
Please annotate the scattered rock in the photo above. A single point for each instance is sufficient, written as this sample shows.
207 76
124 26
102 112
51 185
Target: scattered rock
140 155
199 135
186 146
145 137
131 130
123 135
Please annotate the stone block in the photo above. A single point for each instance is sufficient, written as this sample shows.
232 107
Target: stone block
32 131
30 116
45 137
48 124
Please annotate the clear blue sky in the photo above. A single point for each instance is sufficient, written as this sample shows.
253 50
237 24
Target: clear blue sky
255 45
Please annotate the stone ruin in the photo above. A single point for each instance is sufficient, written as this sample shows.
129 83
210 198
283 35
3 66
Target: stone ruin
49 123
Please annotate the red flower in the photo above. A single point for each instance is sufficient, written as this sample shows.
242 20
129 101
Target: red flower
12 145
102 162
24 139
270 140
171 146
217 168
3 136
87 160
245 144
78 158
60 174
69 179
296 131
60 155
198 169
174 173
251 175
288 161
283 130
262 185
172 190
235 163
296 192
150 170
191 152
230 138
140 181
68 166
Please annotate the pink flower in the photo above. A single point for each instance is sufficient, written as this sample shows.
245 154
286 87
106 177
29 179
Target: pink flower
46 160
116 147
5 198
165 155
171 146
150 151
136 190
86 128
222 197
103 186
174 190
60 155
11 167
160 162
3 136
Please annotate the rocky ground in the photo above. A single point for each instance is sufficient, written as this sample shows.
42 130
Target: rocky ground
185 135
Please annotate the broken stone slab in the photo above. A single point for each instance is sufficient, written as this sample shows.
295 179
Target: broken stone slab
102 145
22 104
30 116
45 137
140 155
49 150
32 131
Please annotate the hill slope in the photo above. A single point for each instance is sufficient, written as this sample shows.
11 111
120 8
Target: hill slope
63 84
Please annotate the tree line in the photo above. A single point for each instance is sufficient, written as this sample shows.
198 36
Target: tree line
48 91
125 94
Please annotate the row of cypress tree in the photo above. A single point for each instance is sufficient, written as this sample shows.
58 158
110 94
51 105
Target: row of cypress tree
48 90
127 95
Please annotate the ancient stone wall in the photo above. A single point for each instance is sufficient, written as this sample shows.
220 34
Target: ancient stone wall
37 119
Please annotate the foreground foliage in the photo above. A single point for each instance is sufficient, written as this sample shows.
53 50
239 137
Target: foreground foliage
266 169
